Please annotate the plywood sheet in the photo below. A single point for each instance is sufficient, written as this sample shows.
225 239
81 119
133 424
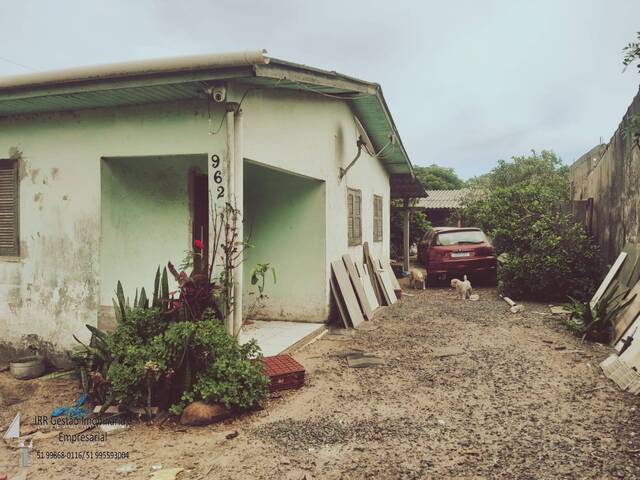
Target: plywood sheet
633 331
358 287
631 356
608 278
630 271
342 309
368 287
377 285
392 275
348 294
624 319
386 281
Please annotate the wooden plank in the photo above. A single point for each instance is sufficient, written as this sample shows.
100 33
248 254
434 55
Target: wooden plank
633 331
358 287
397 289
368 287
624 319
346 289
608 279
342 309
390 294
377 286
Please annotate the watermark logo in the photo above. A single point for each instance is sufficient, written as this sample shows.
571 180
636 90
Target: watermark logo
14 432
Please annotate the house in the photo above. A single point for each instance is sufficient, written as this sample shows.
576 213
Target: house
440 205
108 172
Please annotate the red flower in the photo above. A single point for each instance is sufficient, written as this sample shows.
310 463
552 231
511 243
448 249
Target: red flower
198 244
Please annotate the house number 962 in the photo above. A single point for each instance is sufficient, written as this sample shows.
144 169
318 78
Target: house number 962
217 175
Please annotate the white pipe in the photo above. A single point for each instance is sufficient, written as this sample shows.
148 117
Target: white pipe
230 174
238 191
141 67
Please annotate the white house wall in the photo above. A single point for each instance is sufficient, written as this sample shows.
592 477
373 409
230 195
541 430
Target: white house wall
54 288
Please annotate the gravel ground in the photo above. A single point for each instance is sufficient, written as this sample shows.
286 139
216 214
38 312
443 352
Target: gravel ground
468 390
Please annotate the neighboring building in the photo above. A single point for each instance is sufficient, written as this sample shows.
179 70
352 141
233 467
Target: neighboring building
106 172
440 205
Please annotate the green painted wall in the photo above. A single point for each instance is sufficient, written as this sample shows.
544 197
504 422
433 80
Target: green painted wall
284 219
145 218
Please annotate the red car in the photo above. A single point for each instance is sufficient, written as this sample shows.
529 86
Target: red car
449 252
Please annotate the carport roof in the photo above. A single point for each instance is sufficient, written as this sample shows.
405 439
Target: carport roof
182 78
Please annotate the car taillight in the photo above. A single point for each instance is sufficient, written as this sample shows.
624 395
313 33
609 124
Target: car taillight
435 254
485 251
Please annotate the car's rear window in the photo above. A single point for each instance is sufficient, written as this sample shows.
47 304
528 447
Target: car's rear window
458 237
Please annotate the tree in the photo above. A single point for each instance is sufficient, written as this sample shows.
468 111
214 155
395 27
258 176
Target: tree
632 53
519 204
435 177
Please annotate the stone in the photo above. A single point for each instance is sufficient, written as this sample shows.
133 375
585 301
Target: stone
200 413
126 468
166 474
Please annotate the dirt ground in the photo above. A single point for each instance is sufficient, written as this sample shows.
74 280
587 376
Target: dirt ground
469 390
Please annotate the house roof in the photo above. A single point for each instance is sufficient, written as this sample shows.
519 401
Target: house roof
447 199
182 78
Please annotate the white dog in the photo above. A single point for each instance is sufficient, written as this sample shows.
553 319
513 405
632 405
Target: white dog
416 277
463 287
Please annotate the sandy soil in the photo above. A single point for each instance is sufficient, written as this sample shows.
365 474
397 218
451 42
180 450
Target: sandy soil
520 398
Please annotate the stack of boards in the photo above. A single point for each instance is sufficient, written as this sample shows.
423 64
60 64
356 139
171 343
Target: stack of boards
624 275
360 289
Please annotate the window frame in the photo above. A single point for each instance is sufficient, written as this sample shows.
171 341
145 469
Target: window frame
354 218
378 218
13 253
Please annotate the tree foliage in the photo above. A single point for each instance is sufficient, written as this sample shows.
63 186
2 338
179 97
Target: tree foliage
435 177
519 204
632 53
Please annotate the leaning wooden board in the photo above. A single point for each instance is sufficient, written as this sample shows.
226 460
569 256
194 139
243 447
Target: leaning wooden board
358 287
342 309
627 316
377 286
390 294
368 287
394 280
348 295
608 279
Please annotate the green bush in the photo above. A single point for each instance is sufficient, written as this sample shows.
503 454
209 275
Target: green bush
158 362
519 205
554 259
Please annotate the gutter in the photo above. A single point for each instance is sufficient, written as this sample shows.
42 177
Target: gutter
190 63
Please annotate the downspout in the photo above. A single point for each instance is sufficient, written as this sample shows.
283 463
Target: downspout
230 184
239 205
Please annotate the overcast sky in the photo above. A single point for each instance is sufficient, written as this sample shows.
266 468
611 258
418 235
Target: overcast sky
468 82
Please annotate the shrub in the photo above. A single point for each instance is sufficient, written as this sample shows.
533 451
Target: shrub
519 204
154 361
553 260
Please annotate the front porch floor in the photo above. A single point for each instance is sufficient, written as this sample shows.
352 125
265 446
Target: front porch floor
275 337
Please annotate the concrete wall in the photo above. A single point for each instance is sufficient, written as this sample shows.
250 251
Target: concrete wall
611 176
314 136
55 286
145 219
284 215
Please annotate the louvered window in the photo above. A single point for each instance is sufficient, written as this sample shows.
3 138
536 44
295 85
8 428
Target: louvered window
354 206
377 218
9 208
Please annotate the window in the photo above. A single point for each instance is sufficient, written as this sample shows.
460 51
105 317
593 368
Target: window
9 208
459 237
377 218
354 206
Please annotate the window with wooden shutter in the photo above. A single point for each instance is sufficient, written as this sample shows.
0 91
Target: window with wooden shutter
9 208
354 208
377 218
